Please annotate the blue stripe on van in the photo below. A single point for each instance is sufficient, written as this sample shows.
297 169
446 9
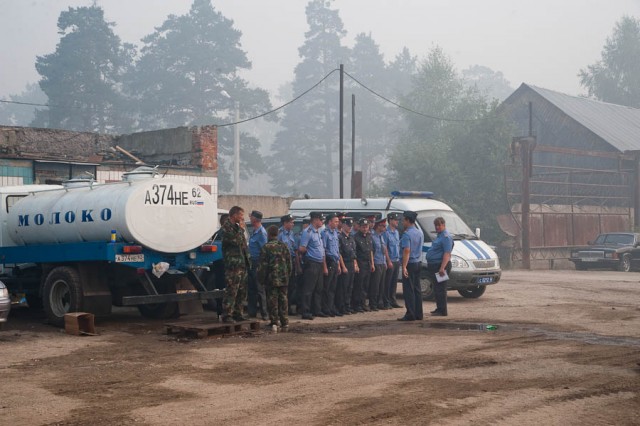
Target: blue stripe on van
480 249
472 248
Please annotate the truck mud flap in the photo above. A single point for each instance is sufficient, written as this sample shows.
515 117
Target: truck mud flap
172 297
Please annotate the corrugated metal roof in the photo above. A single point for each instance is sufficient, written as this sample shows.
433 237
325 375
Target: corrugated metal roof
616 124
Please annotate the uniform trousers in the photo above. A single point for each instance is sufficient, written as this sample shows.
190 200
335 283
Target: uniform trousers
256 297
439 288
361 285
312 278
391 284
235 292
329 288
292 290
376 286
412 292
344 289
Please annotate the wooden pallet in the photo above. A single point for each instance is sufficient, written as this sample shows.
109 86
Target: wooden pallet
203 329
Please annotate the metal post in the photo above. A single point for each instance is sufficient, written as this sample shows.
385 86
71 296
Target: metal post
236 151
353 144
526 175
341 131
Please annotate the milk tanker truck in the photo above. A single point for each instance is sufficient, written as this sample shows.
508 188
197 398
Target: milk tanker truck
84 247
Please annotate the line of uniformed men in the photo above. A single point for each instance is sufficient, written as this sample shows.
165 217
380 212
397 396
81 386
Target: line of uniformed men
337 271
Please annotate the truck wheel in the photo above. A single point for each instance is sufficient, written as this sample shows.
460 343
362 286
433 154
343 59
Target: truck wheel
426 286
62 293
473 292
625 263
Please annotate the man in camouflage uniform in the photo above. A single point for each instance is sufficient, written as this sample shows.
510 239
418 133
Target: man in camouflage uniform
274 270
236 264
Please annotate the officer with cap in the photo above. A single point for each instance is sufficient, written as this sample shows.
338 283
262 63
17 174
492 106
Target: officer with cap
411 244
349 267
393 248
332 256
286 235
256 297
364 256
315 267
380 258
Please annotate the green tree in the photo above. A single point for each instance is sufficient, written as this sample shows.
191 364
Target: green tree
616 77
459 153
188 74
82 77
305 151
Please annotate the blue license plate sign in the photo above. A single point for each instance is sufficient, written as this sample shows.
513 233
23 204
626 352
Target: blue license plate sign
485 280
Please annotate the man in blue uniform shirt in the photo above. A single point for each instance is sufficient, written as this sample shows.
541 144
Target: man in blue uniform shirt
315 267
411 244
439 265
332 257
380 258
256 297
286 235
393 248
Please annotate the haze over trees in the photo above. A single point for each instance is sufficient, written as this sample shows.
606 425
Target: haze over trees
615 78
189 72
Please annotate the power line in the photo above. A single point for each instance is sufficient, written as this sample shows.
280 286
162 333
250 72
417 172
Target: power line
34 104
433 117
283 105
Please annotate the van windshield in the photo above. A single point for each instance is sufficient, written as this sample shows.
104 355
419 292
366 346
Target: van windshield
455 225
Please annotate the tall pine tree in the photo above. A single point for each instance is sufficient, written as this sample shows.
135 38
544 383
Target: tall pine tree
306 150
82 77
188 74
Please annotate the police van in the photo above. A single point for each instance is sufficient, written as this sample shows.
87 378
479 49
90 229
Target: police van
474 263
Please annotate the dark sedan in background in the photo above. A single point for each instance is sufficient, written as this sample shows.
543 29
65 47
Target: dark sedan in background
613 250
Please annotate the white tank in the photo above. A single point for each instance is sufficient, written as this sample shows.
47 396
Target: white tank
166 215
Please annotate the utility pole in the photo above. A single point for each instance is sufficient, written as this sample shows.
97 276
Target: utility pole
236 151
341 130
527 145
353 143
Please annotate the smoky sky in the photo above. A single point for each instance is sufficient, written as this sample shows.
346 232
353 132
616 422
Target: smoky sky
541 42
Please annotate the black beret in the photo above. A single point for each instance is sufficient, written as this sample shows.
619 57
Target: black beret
286 218
257 214
316 215
363 221
393 215
410 215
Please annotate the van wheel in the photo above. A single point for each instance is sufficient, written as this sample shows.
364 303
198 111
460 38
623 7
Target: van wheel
62 294
427 288
473 292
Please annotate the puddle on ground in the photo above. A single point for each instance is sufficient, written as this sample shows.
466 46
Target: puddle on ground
594 339
584 337
460 326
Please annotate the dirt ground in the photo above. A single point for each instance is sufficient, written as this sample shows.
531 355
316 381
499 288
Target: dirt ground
566 351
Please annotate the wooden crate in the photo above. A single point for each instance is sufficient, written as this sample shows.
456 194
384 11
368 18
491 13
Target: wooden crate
216 329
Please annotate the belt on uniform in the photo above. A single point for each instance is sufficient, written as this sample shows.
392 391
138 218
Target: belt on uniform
332 260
